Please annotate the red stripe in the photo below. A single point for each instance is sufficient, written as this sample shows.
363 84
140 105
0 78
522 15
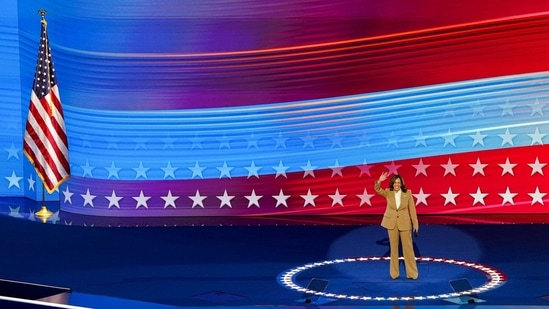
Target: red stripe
50 135
49 163
48 183
52 151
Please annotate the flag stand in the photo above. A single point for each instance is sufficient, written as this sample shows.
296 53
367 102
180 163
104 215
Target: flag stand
44 214
45 143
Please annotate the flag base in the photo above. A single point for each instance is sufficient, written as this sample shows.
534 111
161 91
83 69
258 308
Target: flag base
43 214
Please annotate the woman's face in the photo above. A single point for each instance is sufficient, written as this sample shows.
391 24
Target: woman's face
397 184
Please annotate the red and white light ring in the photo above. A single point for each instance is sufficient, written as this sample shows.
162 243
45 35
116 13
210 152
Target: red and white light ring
495 279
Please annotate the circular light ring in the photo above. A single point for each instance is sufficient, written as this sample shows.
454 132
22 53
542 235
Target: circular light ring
495 279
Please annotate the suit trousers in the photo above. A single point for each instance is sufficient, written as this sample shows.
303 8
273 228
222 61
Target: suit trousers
405 237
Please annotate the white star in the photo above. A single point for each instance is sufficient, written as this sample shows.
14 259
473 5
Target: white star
169 200
450 197
449 138
281 199
449 111
507 197
169 171
478 109
365 197
196 142
114 200
337 198
140 171
308 169
168 142
309 199
280 141
14 212
507 109
537 137
507 167
392 140
478 196
224 142
253 170
68 195
449 168
507 138
421 168
337 169
87 169
31 182
54 217
197 199
537 197
140 143
88 198
225 199
364 169
421 197
252 142
537 108
393 168
224 170
86 142
141 200
420 139
280 170
308 141
113 171
478 168
12 152
364 140
14 180
253 199
478 138
197 170
537 167
336 140
112 142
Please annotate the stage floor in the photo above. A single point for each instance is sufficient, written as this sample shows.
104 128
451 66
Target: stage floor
266 262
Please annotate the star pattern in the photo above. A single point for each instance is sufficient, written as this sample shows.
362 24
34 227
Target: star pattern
504 166
349 189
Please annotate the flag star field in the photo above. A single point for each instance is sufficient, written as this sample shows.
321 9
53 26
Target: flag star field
287 108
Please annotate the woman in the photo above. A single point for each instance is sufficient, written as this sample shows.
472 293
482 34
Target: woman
399 219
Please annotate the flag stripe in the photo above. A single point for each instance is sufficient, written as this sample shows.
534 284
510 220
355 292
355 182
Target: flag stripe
48 165
55 142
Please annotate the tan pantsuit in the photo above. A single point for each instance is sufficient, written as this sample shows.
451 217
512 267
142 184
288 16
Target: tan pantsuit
399 223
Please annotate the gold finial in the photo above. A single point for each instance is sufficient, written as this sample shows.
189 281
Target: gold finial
43 13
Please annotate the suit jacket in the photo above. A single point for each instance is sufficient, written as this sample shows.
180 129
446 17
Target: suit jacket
405 217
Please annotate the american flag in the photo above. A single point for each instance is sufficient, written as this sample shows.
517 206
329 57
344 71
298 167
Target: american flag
45 143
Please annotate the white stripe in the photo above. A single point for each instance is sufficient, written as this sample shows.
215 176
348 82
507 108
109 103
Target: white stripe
58 115
45 115
41 161
40 157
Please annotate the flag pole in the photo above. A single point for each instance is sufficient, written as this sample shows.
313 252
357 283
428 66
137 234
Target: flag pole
43 213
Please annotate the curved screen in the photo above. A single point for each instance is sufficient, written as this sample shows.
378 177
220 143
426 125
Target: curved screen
222 108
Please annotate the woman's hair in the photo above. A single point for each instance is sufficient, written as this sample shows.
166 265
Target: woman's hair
402 185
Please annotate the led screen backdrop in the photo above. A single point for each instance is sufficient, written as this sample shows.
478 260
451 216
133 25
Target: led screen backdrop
225 108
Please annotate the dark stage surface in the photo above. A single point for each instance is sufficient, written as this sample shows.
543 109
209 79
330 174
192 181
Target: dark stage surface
208 262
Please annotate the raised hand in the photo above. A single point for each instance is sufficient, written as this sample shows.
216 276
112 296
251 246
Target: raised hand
383 176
